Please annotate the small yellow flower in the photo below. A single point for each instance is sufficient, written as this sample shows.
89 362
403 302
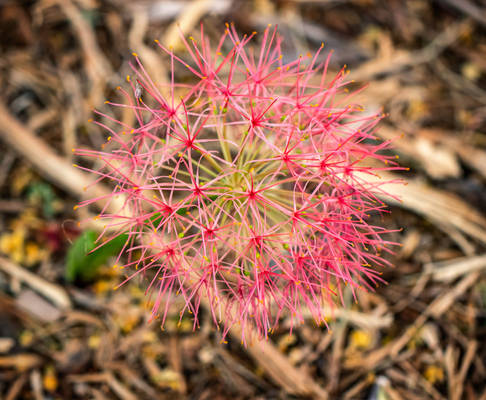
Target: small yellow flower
50 381
101 287
34 254
26 338
94 341
360 339
434 373
13 245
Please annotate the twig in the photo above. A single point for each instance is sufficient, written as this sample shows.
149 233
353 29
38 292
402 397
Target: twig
119 388
337 349
356 318
53 292
149 57
5 165
444 302
47 163
434 310
36 384
11 206
21 362
16 387
437 158
403 60
438 206
97 65
175 362
450 361
131 376
469 9
186 20
468 358
277 366
449 270
107 377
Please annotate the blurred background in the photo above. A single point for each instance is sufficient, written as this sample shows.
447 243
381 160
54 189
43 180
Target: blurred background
65 334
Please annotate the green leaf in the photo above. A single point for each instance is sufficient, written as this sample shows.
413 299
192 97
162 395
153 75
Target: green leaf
83 263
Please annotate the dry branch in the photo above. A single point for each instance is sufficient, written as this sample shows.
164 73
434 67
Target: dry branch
53 167
186 20
53 292
434 310
468 8
449 270
404 59
98 66
439 207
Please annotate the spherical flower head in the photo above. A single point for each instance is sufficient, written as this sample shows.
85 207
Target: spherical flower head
244 185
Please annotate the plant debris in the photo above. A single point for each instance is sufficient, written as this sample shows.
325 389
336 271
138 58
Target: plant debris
420 336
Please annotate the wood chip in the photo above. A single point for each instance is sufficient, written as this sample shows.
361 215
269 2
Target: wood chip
186 20
51 291
440 207
20 362
6 344
447 271
36 306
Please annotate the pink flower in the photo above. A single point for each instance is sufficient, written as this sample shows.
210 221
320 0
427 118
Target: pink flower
244 184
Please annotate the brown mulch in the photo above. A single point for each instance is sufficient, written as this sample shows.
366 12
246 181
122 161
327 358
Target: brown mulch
421 336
